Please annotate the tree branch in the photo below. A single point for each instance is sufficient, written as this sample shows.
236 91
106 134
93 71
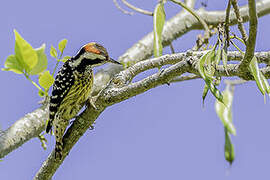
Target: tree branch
26 128
77 129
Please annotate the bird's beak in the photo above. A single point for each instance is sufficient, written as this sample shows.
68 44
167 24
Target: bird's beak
113 61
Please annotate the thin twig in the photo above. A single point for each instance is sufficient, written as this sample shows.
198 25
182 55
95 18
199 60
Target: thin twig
226 28
239 21
172 48
121 9
237 47
253 22
139 10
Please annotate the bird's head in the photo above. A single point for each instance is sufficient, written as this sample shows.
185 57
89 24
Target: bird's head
91 54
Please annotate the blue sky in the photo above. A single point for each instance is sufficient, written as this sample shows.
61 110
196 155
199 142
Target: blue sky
161 134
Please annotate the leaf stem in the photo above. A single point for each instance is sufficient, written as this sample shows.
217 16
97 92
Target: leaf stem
58 60
35 84
238 38
237 47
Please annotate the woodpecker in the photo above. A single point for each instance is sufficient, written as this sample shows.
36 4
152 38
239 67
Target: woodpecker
72 87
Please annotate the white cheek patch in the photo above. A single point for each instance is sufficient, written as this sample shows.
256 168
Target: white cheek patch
76 62
87 56
93 56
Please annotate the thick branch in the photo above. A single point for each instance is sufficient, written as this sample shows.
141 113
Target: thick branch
77 129
31 125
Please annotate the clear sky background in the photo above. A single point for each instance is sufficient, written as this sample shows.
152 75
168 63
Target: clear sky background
161 134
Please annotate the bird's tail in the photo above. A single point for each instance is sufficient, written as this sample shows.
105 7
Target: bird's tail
49 126
58 150
50 122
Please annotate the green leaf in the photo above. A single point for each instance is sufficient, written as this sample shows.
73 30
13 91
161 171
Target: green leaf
24 52
255 71
65 58
265 83
224 110
225 60
42 61
228 148
12 64
218 95
53 52
207 78
46 80
62 45
205 92
218 55
210 69
201 64
159 20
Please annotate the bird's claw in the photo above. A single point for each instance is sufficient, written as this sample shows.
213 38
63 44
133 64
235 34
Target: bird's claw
91 102
92 127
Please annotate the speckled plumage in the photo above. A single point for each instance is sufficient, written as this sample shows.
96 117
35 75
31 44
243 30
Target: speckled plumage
71 89
69 104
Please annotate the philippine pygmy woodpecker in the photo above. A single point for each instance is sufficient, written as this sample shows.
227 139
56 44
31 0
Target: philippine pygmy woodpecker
71 88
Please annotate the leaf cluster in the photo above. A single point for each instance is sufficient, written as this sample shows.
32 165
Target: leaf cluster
29 62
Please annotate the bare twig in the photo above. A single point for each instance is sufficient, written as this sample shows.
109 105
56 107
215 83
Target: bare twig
172 48
121 9
226 28
142 11
239 21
